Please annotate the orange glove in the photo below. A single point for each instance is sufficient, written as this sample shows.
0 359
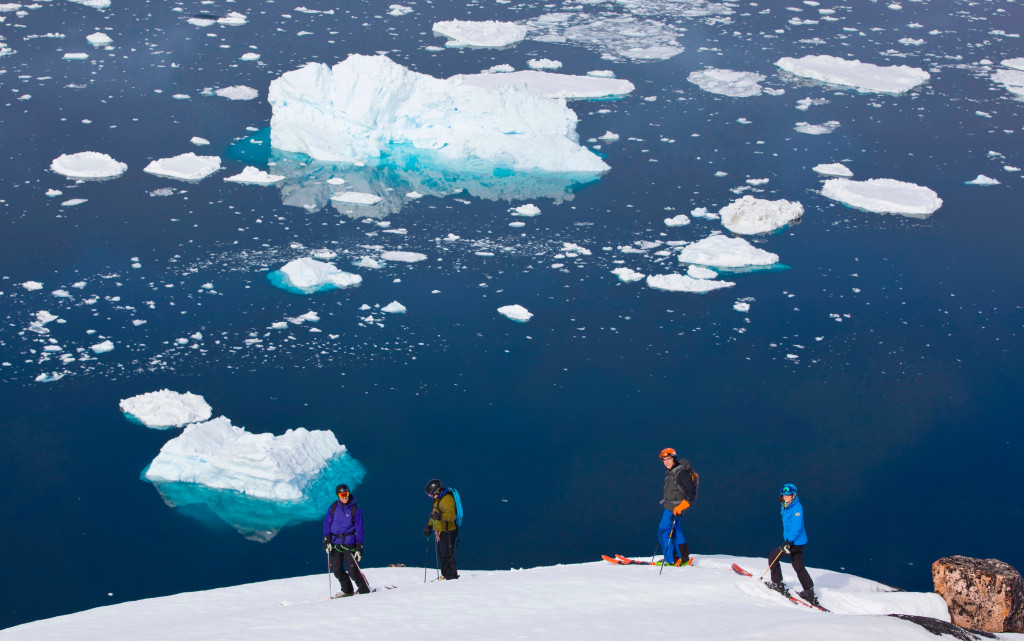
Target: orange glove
677 510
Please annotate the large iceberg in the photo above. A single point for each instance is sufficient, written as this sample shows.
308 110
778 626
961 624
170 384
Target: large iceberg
365 106
862 76
750 215
724 252
165 409
307 276
883 196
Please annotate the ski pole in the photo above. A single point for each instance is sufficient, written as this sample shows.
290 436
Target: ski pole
783 549
426 551
437 560
359 570
329 586
664 557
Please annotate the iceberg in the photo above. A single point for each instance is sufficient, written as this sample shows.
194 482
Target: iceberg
308 276
628 275
750 215
184 167
368 106
726 82
486 33
982 181
165 409
681 283
883 196
402 256
253 176
87 164
103 347
817 130
99 39
833 169
394 307
551 85
517 313
862 76
724 252
237 92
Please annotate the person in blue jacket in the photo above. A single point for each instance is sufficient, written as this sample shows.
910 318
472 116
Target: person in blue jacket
343 540
795 539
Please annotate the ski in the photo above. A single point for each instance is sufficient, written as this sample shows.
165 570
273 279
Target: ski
789 595
618 559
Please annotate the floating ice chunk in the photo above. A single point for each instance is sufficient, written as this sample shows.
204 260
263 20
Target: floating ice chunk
544 64
323 254
726 253
221 456
32 285
912 42
571 250
308 276
862 76
95 4
741 306
367 104
165 409
834 169
702 212
87 164
102 347
184 166
237 92
251 56
503 68
701 272
517 313
529 209
1011 79
403 257
817 130
49 377
201 22
608 136
486 33
367 263
76 56
254 176
551 85
73 202
681 283
233 19
750 215
394 307
1014 63
982 180
726 82
356 198
883 196
398 10
628 275
199 142
99 39
677 221
308 317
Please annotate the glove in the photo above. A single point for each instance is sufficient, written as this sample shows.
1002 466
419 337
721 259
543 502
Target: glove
677 510
785 547
427 530
327 544
357 553
435 515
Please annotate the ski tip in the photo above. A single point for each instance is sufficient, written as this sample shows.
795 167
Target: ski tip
738 570
610 559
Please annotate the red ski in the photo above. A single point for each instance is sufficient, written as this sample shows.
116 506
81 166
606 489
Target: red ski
789 595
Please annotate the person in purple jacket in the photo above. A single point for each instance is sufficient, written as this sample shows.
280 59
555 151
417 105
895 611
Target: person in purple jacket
343 540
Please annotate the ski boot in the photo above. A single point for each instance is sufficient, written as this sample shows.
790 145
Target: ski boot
342 594
779 587
808 595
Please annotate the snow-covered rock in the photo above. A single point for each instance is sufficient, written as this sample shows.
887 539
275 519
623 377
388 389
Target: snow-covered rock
750 215
308 276
254 176
517 313
222 456
726 253
165 409
862 76
485 33
365 105
551 85
685 283
87 164
726 82
184 166
883 196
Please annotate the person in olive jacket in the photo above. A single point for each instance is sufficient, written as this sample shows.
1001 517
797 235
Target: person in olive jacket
443 524
343 540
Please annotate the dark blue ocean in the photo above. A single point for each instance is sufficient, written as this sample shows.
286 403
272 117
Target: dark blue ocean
879 371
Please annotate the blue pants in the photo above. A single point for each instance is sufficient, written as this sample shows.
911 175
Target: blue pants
670 537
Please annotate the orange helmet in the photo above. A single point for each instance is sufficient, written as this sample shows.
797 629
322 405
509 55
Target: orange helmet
668 451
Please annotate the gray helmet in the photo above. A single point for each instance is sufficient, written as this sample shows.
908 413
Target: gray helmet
433 487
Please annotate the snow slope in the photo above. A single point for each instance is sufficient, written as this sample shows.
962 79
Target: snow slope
595 601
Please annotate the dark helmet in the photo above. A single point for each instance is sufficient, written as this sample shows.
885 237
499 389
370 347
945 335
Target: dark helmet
341 488
788 490
433 486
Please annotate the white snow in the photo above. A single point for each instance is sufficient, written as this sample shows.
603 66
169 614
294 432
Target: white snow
356 198
862 76
222 456
727 253
750 215
87 164
237 92
726 82
187 166
486 33
517 313
883 196
833 169
403 256
254 176
983 181
628 275
681 283
310 276
164 409
357 110
698 271
550 85
1014 63
394 307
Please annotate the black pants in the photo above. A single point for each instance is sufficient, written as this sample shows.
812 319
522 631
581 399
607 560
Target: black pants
796 557
446 553
342 559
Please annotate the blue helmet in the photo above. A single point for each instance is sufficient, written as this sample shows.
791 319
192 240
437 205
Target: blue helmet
788 490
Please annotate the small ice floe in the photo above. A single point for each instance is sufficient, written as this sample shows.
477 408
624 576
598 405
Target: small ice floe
356 198
608 136
502 68
681 283
254 176
367 263
883 196
982 181
518 313
49 377
816 130
399 10
237 92
628 275
834 169
806 103
165 409
323 254
308 276
701 272
199 142
544 64
1011 79
73 202
184 166
32 285
76 56
741 306
102 347
95 4
99 39
726 253
233 19
678 220
308 317
394 307
862 76
702 212
726 82
486 33
551 85
87 164
529 209
750 215
403 256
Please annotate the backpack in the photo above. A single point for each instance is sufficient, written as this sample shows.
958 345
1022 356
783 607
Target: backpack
458 506
695 479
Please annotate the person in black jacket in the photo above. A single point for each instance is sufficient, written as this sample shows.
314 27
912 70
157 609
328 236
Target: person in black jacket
680 491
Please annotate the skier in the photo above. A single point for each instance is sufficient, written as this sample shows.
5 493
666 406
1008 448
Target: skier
343 540
443 524
795 539
680 490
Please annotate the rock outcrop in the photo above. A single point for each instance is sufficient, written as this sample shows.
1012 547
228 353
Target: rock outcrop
982 594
